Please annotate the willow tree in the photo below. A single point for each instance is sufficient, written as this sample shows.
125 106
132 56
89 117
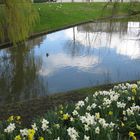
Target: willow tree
17 18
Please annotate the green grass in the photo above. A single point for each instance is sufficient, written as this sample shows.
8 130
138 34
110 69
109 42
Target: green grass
53 18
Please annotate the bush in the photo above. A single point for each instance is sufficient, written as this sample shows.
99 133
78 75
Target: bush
104 115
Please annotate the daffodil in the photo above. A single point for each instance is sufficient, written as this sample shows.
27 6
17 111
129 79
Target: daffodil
97 115
134 86
18 137
134 91
11 118
138 127
110 113
132 135
41 138
18 118
31 133
61 112
122 124
65 117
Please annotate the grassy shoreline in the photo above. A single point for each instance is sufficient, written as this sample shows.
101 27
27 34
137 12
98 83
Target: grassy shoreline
38 107
109 115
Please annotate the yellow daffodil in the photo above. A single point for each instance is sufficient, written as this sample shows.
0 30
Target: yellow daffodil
31 133
134 138
110 113
134 86
134 91
18 137
11 118
132 135
18 118
41 138
65 116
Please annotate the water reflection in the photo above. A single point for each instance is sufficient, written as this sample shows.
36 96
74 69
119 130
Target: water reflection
18 74
87 55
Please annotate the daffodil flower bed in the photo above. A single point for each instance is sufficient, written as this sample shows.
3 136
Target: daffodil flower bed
104 115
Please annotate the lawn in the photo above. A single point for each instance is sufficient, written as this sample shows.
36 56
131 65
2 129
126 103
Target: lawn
54 16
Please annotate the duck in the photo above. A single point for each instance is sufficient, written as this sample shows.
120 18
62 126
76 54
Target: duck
47 54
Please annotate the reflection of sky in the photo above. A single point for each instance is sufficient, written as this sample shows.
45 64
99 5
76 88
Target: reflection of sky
126 45
91 56
94 58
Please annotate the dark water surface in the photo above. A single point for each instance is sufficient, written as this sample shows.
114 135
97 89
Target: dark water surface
82 56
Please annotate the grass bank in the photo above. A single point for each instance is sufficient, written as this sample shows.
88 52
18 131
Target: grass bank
55 16
38 107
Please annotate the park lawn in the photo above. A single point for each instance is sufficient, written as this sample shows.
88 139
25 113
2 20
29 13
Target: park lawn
55 16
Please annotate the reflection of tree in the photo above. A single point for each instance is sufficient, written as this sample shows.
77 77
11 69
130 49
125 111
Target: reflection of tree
36 41
108 27
107 77
74 46
88 36
92 34
18 74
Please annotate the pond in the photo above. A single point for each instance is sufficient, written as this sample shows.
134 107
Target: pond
83 56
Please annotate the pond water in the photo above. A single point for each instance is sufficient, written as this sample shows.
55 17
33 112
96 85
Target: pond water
82 56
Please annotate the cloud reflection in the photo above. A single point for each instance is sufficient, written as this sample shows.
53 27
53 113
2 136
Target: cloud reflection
127 44
61 60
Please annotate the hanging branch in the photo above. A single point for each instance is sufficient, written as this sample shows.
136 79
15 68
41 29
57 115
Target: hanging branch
16 20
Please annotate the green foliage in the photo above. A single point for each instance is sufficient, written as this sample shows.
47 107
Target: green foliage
16 20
